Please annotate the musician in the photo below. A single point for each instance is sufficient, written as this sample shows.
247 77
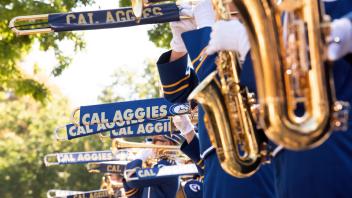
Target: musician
166 187
113 183
178 80
325 171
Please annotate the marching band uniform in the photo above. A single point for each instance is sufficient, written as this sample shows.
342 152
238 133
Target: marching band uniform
166 187
178 80
325 171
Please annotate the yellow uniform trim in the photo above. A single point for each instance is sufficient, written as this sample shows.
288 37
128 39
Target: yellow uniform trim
199 162
201 63
131 192
177 90
199 56
177 83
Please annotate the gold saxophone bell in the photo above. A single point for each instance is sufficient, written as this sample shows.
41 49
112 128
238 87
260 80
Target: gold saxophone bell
240 147
297 104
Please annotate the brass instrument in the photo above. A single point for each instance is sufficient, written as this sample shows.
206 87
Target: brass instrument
41 26
297 104
239 145
120 144
162 150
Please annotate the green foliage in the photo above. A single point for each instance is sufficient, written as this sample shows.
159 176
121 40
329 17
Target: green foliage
128 85
161 35
134 86
26 136
13 49
125 3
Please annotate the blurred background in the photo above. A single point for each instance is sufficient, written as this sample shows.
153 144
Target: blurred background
44 77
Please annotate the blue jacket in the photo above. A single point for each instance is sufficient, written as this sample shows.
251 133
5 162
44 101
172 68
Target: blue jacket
178 81
192 151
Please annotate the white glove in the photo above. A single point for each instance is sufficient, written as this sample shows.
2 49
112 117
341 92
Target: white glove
204 14
341 29
145 154
229 35
179 27
183 123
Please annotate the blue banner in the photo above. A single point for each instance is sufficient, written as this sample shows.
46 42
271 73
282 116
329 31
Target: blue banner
107 168
90 194
85 157
116 18
122 112
156 172
133 129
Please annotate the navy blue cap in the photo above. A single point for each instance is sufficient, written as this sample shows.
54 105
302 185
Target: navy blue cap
175 137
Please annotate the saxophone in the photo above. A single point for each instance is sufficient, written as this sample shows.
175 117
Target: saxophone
297 104
240 146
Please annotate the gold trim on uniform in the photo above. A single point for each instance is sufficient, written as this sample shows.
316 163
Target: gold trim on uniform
202 56
199 56
177 90
199 162
177 83
131 192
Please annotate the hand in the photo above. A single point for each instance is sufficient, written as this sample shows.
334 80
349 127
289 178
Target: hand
183 123
179 27
204 14
145 154
341 29
228 35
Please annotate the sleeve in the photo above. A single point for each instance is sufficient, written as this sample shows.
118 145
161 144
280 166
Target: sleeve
196 42
132 191
193 152
177 78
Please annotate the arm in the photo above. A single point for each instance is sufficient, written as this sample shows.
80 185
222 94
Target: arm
177 78
191 149
130 190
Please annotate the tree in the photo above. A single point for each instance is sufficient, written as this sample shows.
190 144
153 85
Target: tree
26 136
160 34
134 85
13 49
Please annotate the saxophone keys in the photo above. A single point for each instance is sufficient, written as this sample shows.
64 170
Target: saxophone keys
340 115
